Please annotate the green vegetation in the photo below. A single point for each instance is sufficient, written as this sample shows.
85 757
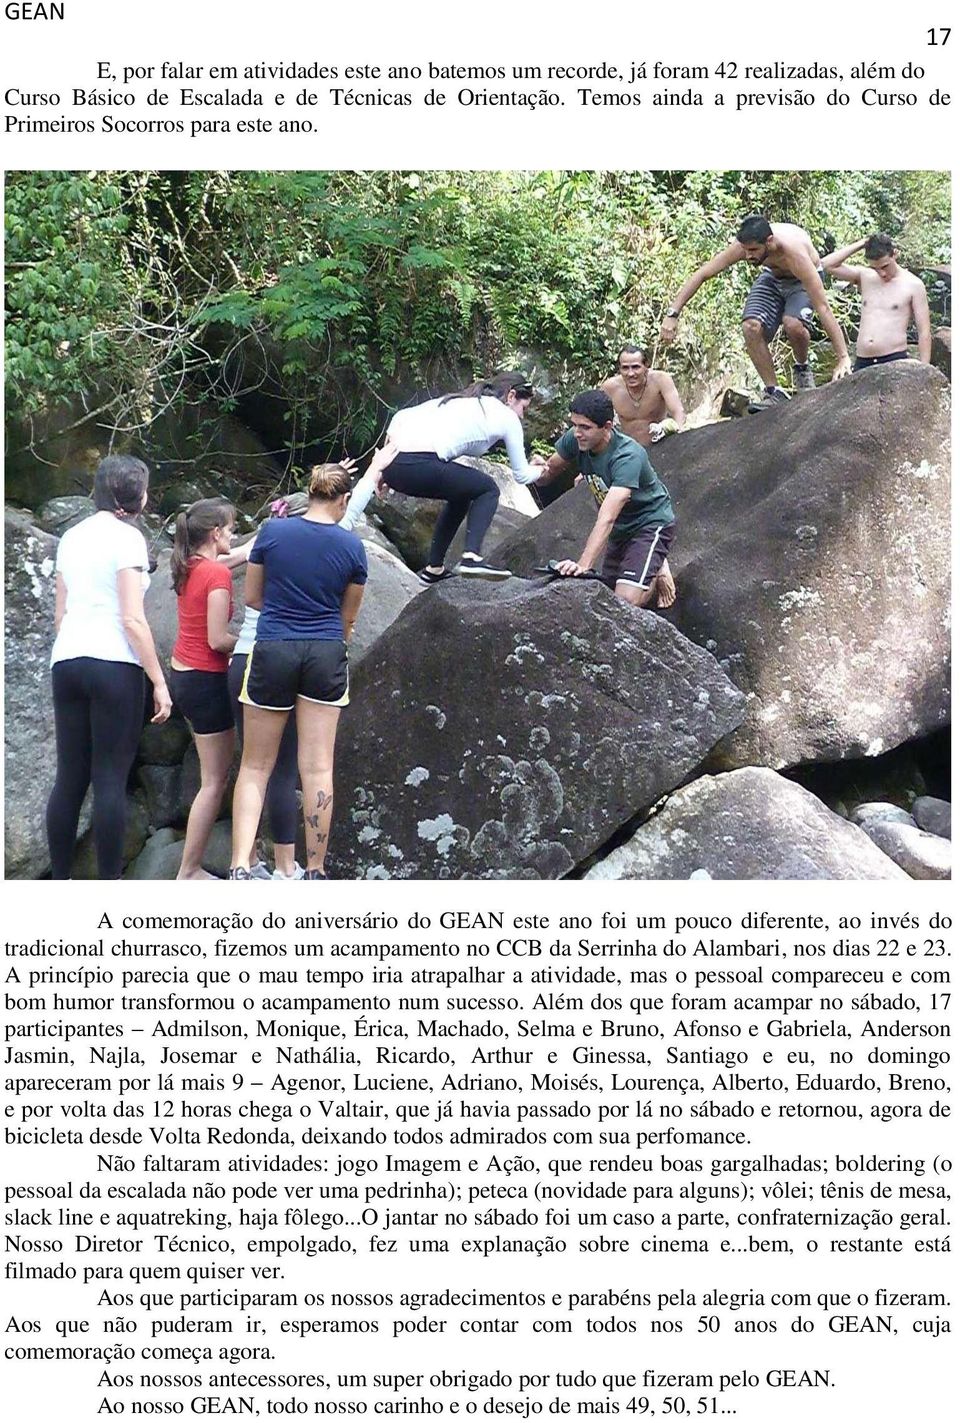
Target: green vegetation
339 294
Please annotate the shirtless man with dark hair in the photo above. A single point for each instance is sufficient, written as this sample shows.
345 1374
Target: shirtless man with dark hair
890 298
788 292
647 403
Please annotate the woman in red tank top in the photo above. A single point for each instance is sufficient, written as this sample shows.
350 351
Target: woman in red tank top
201 654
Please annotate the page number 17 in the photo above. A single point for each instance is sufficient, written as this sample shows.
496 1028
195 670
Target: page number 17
938 36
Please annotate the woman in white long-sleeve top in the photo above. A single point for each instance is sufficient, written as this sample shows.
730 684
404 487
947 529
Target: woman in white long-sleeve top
429 438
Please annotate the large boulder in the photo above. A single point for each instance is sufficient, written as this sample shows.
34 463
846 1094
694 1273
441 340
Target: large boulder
922 855
29 739
390 587
933 815
814 553
371 533
56 516
202 445
160 857
559 532
161 791
812 556
940 353
749 824
508 731
164 744
54 456
160 607
58 452
135 837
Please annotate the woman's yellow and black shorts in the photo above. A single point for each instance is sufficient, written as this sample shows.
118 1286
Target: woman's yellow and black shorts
280 672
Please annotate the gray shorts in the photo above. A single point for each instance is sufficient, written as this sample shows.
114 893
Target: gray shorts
772 298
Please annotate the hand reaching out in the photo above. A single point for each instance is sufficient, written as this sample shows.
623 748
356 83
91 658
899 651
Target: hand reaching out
383 457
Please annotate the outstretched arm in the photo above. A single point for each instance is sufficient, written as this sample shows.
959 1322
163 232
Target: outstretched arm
555 465
370 483
253 586
593 548
834 260
524 471
803 269
847 274
719 263
921 315
671 399
238 554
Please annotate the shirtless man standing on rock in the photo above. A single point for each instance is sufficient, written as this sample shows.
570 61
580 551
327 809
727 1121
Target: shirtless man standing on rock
891 298
647 403
787 293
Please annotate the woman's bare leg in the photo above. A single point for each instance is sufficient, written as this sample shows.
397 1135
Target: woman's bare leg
262 731
316 735
216 753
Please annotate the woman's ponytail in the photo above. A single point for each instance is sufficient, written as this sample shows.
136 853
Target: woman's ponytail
192 529
180 558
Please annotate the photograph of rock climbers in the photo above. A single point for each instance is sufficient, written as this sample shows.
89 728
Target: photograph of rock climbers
477 525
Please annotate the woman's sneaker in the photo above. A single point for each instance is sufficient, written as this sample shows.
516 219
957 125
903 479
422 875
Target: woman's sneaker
259 871
298 873
803 378
314 874
426 575
480 568
240 872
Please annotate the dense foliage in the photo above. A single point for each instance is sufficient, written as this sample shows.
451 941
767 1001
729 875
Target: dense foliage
339 294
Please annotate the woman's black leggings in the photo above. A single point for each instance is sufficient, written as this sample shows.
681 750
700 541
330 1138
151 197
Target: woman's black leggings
98 710
467 492
282 810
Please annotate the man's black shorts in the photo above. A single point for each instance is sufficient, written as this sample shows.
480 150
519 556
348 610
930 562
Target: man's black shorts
280 672
863 363
638 560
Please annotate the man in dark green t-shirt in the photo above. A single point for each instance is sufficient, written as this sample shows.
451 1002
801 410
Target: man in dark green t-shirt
635 522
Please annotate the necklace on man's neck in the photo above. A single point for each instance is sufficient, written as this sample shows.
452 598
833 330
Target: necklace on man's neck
643 390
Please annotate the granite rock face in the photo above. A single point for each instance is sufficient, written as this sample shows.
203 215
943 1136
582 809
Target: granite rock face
745 825
922 855
933 814
812 557
390 587
507 731
942 349
29 738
